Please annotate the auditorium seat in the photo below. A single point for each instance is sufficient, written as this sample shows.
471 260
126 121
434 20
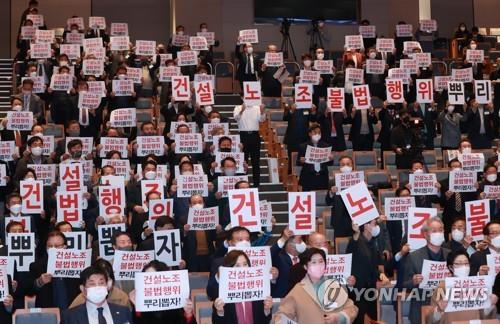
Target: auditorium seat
271 102
53 129
276 115
379 179
144 115
198 280
341 244
203 310
430 159
441 174
36 315
389 160
382 194
365 160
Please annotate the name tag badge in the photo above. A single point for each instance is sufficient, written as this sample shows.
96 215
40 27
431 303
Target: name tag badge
306 112
429 109
408 146
486 113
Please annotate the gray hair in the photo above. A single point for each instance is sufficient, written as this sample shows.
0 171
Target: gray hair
428 222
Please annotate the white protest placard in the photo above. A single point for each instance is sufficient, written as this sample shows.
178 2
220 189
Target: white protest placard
164 57
114 144
188 143
468 293
76 240
28 32
375 66
203 219
462 181
211 128
273 59
150 145
68 263
423 184
204 93
310 76
462 75
425 91
359 203
168 247
423 59
266 213
433 273
338 267
235 142
335 99
209 36
474 56
248 36
302 212
92 43
161 290
346 180
492 192
97 87
237 156
361 96
75 21
38 83
3 175
394 90
119 43
428 25
354 75
493 262
25 220
127 263
323 66
61 82
93 67
158 208
385 45
472 161
148 186
123 117
71 176
134 74
456 92
69 207
260 256
112 200
75 38
226 183
87 144
89 100
122 167
244 207
186 58
7 149
398 73
243 284
174 126
396 208
416 219
71 50
303 95
21 247
31 196
36 19
198 43
45 36
180 88
483 92
404 30
44 172
4 280
145 47
180 40
105 233
19 120
409 65
477 215
167 72
317 154
368 31
188 185
119 29
123 88
97 22
354 42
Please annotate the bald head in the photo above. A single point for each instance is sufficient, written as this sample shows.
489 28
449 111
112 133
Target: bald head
316 240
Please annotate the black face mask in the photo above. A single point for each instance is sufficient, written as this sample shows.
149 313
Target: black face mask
225 150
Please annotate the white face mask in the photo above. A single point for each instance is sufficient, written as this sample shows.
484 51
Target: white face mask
63 63
208 109
473 46
320 56
466 150
315 138
121 76
461 271
249 50
187 173
29 179
150 175
301 247
74 31
450 109
375 231
372 55
418 171
204 30
345 169
230 172
243 244
437 238
33 74
97 295
462 28
457 235
456 169
17 108
307 63
496 242
180 32
491 177
215 120
39 135
197 206
15 209
36 151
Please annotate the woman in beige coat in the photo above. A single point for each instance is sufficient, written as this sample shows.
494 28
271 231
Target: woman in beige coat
458 264
308 303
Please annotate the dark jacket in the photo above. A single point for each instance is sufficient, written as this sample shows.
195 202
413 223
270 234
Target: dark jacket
78 314
230 316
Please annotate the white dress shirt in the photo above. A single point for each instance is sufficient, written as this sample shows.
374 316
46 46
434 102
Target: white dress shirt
249 119
93 314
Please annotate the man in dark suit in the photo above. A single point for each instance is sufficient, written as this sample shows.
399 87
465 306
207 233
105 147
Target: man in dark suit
32 102
405 142
433 231
248 63
480 121
427 115
362 134
313 176
271 87
96 309
332 131
492 237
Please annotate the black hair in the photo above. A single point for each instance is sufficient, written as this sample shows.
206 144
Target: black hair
90 271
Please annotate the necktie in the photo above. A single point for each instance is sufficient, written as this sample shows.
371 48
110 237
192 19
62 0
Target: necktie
84 117
100 316
248 65
17 138
333 132
26 102
458 201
